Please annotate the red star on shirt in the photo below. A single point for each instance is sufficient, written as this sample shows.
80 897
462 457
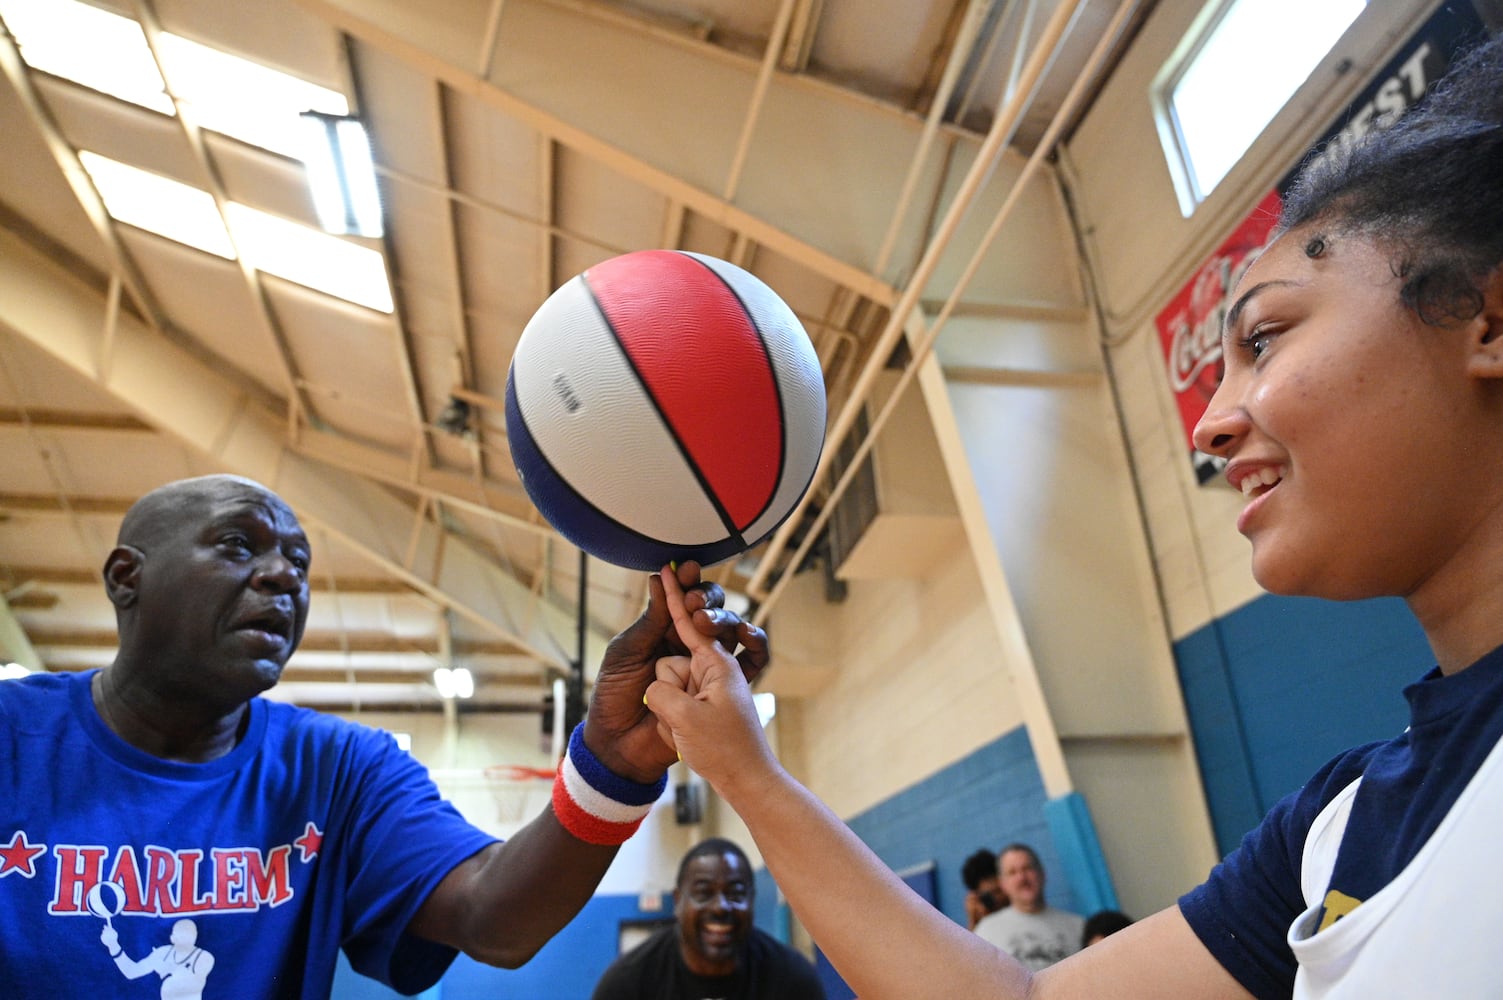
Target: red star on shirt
309 843
19 856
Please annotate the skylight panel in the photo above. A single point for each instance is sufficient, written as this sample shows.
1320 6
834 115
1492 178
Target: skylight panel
189 215
232 96
1240 75
243 99
221 92
309 257
159 204
92 47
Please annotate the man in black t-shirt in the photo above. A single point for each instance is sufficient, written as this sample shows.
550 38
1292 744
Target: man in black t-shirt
712 952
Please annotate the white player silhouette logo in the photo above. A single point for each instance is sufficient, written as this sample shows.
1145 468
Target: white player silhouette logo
183 966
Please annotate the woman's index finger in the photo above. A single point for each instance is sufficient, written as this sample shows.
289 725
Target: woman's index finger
683 618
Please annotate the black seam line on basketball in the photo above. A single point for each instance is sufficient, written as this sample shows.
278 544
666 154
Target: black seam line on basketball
704 484
585 502
777 387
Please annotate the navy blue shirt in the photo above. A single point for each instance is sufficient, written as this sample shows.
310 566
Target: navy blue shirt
1242 913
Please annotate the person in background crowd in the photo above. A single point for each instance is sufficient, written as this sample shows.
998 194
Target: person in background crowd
983 895
712 951
1029 929
1101 924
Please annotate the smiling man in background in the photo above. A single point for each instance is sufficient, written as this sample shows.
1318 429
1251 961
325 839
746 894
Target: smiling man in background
712 952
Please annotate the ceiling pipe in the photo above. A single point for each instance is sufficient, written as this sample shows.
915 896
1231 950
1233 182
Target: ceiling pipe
1016 68
987 157
487 61
995 29
1067 109
759 96
925 344
965 41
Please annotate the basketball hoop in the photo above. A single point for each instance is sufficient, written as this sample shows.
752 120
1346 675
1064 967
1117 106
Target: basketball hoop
520 791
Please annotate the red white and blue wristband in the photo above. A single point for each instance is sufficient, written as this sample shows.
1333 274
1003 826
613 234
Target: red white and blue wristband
594 804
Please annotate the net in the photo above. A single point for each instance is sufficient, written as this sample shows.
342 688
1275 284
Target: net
520 792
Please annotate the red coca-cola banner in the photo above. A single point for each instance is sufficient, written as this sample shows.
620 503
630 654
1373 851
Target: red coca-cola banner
1190 325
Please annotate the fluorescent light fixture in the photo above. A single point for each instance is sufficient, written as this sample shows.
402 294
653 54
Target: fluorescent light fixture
159 204
1245 72
90 46
456 683
767 706
13 671
341 174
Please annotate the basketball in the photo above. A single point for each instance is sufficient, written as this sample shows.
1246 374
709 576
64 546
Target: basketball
105 900
665 406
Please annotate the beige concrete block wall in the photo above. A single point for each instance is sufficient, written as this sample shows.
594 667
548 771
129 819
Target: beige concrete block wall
918 684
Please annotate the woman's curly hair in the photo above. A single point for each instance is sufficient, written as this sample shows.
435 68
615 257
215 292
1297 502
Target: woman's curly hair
1429 188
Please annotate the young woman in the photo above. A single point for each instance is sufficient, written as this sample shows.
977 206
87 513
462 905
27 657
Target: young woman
1361 414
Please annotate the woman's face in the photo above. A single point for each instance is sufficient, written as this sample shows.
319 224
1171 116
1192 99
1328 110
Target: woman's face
1349 424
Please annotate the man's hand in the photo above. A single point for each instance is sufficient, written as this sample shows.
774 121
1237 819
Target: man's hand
619 729
706 708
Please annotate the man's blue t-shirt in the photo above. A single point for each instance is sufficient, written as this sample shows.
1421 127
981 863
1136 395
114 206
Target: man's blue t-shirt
241 877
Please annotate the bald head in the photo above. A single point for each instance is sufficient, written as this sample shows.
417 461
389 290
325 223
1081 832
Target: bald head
167 508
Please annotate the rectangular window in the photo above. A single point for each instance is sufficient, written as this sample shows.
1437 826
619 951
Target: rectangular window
1236 69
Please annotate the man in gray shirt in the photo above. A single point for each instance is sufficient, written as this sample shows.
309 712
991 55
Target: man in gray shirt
1029 929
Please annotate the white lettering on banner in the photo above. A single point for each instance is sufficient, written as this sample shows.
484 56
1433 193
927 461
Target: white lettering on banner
1393 97
1196 332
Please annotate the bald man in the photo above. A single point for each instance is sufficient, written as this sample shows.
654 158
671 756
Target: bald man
285 834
